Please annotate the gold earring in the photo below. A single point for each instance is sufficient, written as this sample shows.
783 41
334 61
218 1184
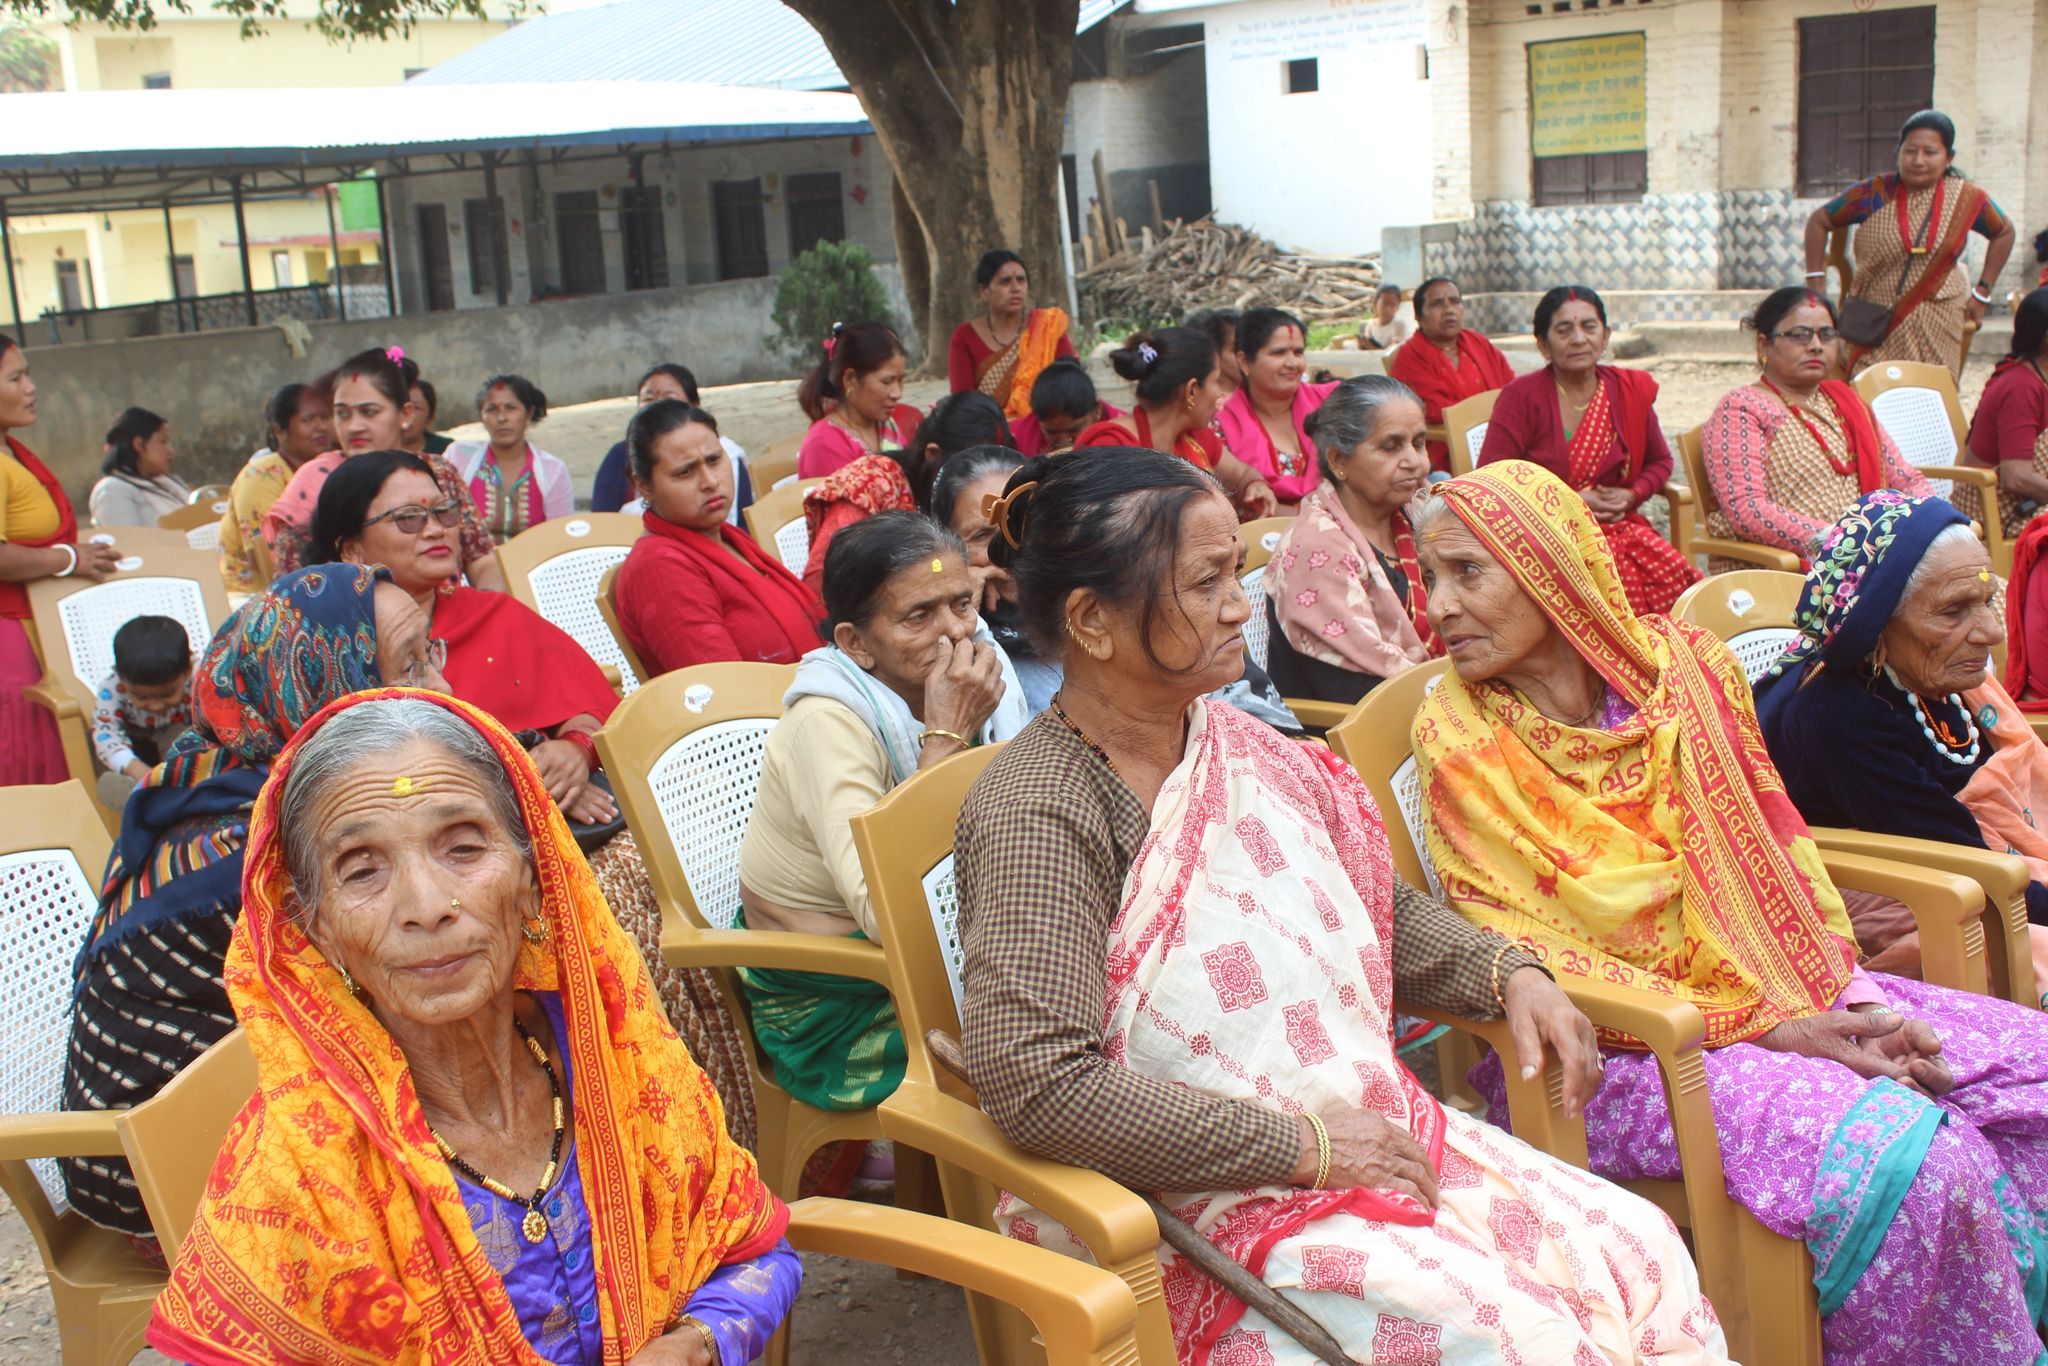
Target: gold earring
348 983
534 931
1076 635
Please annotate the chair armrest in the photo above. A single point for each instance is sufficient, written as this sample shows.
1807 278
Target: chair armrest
1962 474
58 699
1677 494
60 1133
1317 715
683 945
1762 556
1536 1105
2003 878
1947 908
1084 1314
612 676
1111 1221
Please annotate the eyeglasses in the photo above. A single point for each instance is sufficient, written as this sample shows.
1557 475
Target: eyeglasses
436 660
413 519
1803 336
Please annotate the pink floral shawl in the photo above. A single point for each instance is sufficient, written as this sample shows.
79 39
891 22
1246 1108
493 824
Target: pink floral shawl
1333 598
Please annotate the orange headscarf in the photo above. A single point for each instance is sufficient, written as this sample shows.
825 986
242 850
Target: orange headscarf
1661 854
332 1230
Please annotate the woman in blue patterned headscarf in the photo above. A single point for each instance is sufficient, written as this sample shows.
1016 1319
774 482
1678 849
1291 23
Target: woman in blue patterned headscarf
1883 714
149 998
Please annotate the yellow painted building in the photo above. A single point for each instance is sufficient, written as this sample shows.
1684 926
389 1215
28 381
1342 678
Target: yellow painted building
79 261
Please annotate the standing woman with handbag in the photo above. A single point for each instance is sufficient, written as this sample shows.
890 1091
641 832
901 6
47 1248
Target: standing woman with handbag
1910 300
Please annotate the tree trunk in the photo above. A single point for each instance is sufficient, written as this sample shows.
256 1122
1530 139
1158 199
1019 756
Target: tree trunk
968 99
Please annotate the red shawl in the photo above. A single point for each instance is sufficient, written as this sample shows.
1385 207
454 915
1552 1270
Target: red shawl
514 663
852 493
2026 558
14 596
1864 443
1201 449
785 603
1421 364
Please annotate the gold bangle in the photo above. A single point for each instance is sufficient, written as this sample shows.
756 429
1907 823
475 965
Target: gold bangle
1499 992
710 1338
929 731
1315 1122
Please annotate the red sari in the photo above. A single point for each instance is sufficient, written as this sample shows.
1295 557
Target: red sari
1617 445
1421 364
1201 449
514 663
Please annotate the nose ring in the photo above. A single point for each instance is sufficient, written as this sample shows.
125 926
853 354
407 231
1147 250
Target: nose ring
454 903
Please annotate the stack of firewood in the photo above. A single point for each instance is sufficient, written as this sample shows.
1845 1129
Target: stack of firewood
1206 264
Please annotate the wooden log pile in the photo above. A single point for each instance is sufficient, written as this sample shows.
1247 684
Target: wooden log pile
1206 264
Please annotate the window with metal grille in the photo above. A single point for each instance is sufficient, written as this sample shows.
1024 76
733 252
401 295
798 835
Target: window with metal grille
1860 77
646 246
742 227
436 273
490 251
817 211
580 242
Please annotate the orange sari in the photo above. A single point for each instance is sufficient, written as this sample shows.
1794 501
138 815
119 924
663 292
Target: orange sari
333 1231
1660 852
1007 375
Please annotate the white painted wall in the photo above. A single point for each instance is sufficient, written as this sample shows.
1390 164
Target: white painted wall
1322 171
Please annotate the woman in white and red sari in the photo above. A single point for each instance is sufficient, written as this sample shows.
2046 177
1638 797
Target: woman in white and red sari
1183 937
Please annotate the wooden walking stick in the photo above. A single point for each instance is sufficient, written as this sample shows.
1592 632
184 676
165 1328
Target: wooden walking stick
1181 1236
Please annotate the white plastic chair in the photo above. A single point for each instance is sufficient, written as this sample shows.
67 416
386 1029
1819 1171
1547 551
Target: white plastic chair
1475 442
1261 539
555 568
92 615
776 519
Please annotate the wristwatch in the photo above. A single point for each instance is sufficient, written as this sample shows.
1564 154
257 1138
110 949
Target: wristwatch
710 1338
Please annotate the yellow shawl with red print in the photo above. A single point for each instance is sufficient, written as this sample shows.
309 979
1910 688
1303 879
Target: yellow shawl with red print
332 1230
1662 854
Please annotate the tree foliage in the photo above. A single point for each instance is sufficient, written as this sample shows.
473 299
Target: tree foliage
339 20
28 60
832 282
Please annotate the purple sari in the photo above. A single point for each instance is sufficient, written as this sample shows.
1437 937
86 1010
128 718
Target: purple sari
1925 1218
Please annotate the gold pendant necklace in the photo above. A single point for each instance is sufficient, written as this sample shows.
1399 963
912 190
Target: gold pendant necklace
535 1225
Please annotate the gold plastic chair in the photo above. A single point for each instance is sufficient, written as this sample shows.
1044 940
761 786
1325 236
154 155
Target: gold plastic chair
1702 505
1465 424
1083 1313
75 621
1761 1285
1919 409
53 847
684 755
776 522
906 849
1751 610
555 568
608 608
775 463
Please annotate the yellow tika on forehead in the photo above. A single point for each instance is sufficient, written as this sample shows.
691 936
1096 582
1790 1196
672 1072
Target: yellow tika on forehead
404 785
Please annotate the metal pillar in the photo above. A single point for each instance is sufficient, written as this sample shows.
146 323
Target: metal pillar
501 264
242 244
384 250
171 260
7 249
334 262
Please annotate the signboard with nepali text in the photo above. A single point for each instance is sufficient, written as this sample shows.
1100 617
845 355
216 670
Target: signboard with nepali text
1586 96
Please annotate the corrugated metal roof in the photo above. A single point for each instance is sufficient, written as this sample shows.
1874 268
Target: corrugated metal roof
730 42
255 128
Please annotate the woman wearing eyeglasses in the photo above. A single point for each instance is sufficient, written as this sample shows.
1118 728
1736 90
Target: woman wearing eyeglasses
1789 453
385 508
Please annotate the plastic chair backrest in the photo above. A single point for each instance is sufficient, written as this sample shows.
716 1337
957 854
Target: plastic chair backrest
1692 459
194 516
1916 404
775 463
1465 424
205 536
52 845
1261 539
775 519
1749 609
608 609
905 843
555 569
1373 739
76 619
684 754
173 1137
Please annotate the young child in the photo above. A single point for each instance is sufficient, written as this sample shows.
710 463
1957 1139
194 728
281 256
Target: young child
1389 326
1063 405
144 706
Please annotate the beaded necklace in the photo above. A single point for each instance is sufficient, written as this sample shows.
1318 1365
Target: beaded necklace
1946 742
1082 736
535 1225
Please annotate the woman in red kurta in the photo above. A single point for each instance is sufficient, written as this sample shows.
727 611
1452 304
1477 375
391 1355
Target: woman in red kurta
1003 353
1595 427
1175 373
694 589
1445 362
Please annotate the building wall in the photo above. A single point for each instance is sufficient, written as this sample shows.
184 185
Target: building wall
1326 170
683 176
201 53
1153 126
210 385
1721 209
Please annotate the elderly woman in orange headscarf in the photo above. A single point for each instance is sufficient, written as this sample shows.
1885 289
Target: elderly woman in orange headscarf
474 1137
1597 789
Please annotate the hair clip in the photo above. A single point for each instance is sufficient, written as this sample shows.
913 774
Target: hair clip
1147 352
996 508
395 354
